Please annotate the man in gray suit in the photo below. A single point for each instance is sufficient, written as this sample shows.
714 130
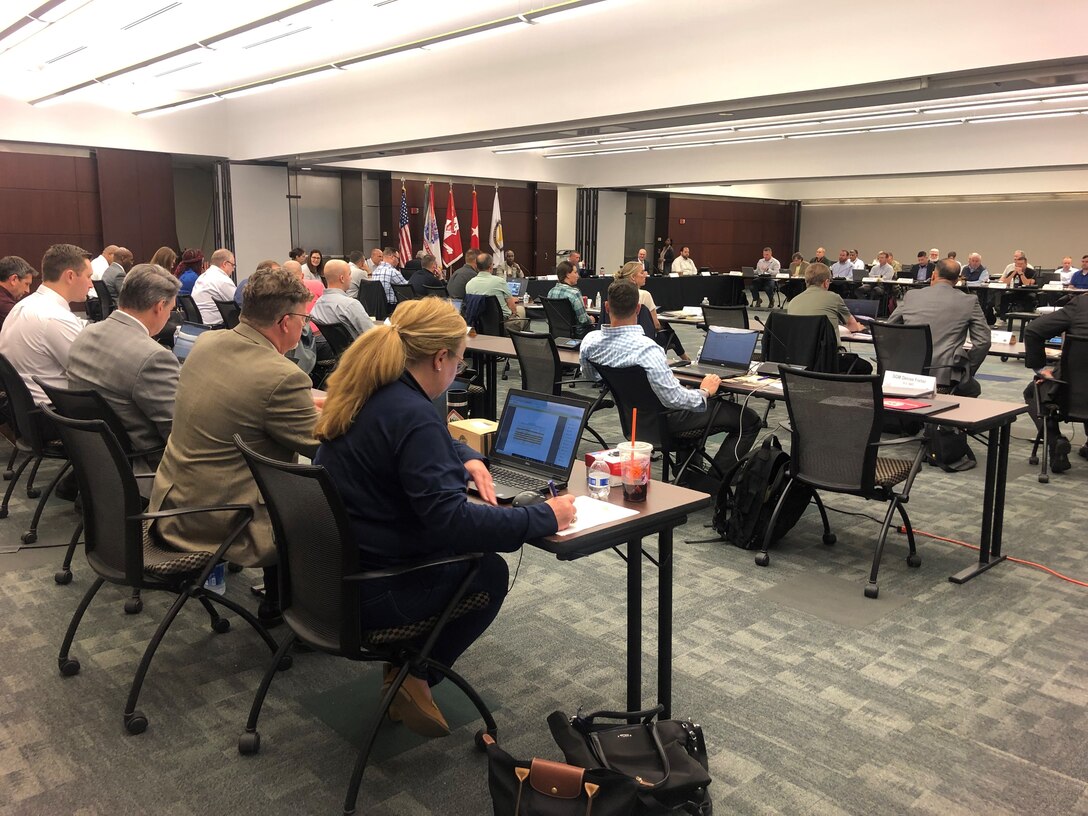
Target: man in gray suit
117 358
114 276
951 315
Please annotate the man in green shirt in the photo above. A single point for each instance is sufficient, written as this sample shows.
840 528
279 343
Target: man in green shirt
487 283
817 300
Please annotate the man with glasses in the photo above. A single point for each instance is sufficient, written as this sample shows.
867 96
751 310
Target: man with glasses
238 382
215 283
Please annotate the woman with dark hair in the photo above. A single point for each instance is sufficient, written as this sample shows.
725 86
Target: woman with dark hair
311 269
189 269
164 257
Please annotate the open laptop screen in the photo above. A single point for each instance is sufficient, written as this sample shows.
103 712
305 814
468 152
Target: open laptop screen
861 308
734 348
515 287
539 431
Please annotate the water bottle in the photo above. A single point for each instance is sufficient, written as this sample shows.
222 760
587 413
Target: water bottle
525 298
597 479
217 579
597 302
706 301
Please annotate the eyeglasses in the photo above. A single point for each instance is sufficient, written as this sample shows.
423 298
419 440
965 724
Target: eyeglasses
303 317
461 364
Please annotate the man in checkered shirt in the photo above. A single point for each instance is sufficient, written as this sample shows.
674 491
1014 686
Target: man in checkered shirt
387 274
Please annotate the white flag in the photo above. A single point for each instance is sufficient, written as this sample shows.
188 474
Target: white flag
496 233
432 243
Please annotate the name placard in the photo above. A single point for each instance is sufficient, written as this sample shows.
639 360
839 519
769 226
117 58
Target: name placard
737 273
871 280
901 384
998 286
1001 336
783 275
1054 285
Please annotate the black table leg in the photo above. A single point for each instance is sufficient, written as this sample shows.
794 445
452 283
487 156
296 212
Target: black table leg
989 552
664 622
634 625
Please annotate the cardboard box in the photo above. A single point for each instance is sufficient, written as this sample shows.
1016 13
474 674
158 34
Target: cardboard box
478 434
612 459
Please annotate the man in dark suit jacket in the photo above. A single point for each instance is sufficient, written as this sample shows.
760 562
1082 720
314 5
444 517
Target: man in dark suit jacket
114 276
923 270
951 315
424 276
118 358
1074 320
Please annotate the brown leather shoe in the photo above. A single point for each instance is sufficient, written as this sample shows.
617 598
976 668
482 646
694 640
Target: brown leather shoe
418 714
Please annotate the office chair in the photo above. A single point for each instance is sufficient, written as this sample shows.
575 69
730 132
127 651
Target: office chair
372 296
631 389
190 309
1069 401
105 299
731 317
403 292
319 576
339 339
562 323
836 422
805 341
542 372
230 312
122 547
484 314
437 290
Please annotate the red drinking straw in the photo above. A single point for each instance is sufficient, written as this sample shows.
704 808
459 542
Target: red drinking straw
634 422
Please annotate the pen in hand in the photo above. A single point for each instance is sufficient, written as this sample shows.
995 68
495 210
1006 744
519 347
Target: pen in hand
551 488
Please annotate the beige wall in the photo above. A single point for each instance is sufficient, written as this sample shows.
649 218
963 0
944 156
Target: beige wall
1044 230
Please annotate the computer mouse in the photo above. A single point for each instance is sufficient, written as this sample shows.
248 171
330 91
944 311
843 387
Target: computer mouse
527 498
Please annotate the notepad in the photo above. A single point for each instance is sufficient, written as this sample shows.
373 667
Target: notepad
592 512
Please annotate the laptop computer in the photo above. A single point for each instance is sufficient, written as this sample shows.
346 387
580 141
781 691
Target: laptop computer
862 309
860 275
727 353
567 342
748 270
537 443
515 287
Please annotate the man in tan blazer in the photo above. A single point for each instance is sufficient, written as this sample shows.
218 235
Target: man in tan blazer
237 382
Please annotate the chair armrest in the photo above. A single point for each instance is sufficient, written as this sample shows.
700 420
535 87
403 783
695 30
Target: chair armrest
144 475
390 572
186 511
901 441
246 515
146 452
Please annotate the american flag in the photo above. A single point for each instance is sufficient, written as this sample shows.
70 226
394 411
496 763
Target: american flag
405 233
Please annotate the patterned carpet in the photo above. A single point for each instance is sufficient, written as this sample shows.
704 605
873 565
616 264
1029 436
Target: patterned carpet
960 699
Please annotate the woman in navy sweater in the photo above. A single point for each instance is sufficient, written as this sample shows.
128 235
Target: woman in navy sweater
403 480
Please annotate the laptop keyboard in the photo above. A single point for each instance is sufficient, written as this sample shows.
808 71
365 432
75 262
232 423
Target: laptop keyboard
514 478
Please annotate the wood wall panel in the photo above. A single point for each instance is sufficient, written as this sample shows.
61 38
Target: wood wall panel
725 234
136 196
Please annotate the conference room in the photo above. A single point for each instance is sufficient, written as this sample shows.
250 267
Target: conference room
603 127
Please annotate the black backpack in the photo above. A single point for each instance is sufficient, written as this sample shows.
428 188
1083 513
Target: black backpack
748 495
948 449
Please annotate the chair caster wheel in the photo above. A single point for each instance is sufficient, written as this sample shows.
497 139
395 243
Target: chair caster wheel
479 738
63 576
830 538
33 493
136 722
249 743
69 667
232 567
1044 480
762 560
220 626
871 591
1004 358
914 560
286 662
1033 460
133 606
29 537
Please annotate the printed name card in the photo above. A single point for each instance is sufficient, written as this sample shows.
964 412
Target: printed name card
1053 285
737 273
870 280
1001 336
998 286
783 275
900 384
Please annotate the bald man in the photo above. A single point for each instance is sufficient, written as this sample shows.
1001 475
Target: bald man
335 306
100 264
114 276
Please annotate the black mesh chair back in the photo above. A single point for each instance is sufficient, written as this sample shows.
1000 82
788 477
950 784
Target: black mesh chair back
836 421
899 347
403 292
483 313
538 359
190 309
645 319
372 296
631 389
309 528
436 290
560 316
229 311
104 298
336 335
731 317
1073 396
807 341
22 412
110 497
77 404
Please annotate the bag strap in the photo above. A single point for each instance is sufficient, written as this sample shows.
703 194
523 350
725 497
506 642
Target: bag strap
585 721
651 729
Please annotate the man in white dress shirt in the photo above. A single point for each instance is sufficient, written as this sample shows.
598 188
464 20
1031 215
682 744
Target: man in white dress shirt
682 264
100 264
37 336
214 284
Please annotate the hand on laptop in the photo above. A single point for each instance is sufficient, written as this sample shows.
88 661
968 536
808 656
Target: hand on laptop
563 507
710 384
485 485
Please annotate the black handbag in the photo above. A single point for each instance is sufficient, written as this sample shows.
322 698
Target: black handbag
667 758
540 787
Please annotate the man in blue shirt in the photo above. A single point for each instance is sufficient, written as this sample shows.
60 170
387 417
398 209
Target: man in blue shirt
624 344
1080 278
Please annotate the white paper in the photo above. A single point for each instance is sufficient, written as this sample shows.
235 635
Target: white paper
592 512
731 330
694 311
736 273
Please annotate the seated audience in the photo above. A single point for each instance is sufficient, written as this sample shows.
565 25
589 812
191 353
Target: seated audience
379 427
766 267
843 267
38 333
682 264
817 300
623 343
953 317
486 283
312 267
663 335
373 261
16 275
1072 319
386 273
855 260
922 270
268 264
101 262
883 270
238 382
189 269
358 273
459 279
335 307
426 275
567 287
114 276
798 265
1065 271
118 358
1022 274
164 257
215 283
1079 279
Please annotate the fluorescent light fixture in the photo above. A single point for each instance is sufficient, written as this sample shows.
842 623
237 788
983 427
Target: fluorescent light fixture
1021 117
868 117
774 125
975 106
22 34
53 98
749 139
597 153
820 133
503 150
682 145
200 101
151 16
59 12
565 11
366 60
472 35
643 137
916 126
275 84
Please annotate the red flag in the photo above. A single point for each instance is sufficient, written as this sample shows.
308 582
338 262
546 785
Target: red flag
474 240
451 235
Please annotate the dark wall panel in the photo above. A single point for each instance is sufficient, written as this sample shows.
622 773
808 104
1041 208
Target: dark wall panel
724 234
47 199
136 196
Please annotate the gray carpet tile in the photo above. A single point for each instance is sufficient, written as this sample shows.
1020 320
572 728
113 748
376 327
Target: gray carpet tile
964 699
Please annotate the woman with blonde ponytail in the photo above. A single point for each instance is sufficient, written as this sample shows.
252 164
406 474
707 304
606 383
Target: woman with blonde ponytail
403 480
